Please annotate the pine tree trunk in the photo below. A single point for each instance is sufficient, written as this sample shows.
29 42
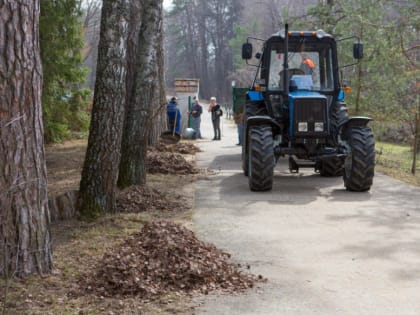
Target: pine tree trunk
141 97
159 111
218 62
359 77
204 54
25 243
100 170
416 138
192 51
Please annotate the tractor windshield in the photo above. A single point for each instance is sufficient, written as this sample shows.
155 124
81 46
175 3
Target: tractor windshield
310 67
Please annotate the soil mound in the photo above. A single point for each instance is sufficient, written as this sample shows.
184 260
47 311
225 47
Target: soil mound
166 257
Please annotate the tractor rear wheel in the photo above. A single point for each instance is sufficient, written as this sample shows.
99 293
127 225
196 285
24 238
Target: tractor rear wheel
331 167
260 158
251 109
360 163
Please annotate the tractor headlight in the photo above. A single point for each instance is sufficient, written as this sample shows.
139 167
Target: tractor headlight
319 127
303 127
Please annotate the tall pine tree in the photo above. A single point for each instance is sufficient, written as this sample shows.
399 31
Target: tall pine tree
143 82
25 240
63 98
100 170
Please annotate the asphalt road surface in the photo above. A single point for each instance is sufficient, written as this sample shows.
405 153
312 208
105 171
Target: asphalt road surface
324 250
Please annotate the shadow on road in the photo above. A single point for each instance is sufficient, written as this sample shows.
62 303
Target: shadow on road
390 211
297 188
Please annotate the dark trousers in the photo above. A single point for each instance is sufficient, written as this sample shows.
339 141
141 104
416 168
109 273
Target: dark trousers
196 121
216 128
240 132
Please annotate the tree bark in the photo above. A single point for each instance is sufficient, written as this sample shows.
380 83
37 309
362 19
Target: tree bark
141 98
359 75
100 171
192 51
416 136
159 111
204 60
224 14
25 244
415 143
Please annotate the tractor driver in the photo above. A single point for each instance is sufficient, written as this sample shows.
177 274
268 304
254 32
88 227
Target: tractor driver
307 64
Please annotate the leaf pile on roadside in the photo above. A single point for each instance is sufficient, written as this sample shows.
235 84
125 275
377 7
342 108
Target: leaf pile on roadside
168 163
166 257
143 198
180 147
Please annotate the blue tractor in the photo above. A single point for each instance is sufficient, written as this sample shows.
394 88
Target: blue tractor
295 107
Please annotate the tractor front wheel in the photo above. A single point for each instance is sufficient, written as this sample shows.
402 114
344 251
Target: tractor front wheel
331 167
360 163
251 109
260 158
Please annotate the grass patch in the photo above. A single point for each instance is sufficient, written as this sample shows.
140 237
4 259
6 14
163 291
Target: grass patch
396 160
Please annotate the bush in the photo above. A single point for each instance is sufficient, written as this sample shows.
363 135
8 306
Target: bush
67 116
56 132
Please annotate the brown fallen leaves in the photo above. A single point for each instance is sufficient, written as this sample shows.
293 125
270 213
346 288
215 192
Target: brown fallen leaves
162 159
180 147
168 163
143 198
165 257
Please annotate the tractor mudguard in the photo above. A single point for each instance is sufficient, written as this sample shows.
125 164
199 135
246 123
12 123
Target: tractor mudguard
339 114
354 121
261 120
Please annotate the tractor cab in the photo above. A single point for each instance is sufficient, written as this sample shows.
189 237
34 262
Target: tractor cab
311 66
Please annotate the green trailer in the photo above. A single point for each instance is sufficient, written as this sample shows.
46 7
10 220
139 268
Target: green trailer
239 99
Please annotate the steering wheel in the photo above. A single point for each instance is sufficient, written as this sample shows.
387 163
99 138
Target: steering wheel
292 72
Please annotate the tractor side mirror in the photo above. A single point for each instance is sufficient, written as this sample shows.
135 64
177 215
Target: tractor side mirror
357 50
247 51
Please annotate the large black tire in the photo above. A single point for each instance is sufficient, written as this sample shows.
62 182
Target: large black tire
251 109
255 109
359 166
331 167
261 158
334 167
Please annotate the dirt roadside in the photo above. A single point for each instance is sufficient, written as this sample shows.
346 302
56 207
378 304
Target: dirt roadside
78 246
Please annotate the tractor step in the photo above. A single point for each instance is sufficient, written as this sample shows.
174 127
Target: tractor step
295 164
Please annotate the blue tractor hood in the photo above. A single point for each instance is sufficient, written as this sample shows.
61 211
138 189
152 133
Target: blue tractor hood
304 94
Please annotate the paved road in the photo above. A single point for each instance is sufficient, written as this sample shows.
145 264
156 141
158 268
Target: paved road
323 249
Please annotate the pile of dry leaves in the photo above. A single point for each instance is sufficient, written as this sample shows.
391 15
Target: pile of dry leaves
165 257
143 198
168 163
180 147
168 159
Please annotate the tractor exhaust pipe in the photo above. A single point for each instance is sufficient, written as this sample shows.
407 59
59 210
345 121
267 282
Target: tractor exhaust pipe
286 63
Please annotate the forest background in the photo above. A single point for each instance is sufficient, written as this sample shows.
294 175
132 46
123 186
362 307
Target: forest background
203 41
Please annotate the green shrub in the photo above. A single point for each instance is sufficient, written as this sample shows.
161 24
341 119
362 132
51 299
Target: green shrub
56 132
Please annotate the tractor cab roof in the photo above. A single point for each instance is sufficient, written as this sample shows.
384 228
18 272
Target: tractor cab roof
318 34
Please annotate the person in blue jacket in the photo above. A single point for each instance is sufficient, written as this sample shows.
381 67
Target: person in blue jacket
174 115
